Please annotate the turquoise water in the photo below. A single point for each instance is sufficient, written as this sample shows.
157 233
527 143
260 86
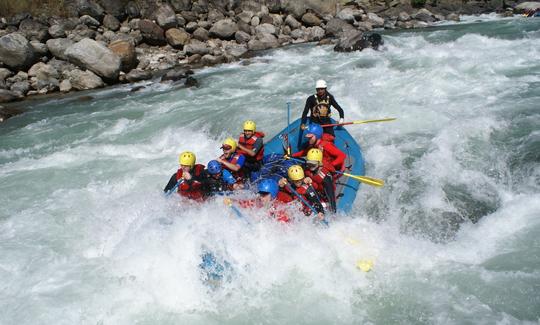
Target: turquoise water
86 236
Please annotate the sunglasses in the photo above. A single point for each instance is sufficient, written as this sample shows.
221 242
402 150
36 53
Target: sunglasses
226 147
312 164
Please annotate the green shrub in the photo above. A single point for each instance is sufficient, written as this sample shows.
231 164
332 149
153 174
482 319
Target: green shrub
418 3
35 7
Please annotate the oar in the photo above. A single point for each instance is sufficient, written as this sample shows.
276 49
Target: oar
288 149
180 181
236 211
359 122
365 179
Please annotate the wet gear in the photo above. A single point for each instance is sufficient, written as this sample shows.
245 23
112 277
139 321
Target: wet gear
319 109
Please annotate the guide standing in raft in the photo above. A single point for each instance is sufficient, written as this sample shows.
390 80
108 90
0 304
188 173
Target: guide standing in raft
318 105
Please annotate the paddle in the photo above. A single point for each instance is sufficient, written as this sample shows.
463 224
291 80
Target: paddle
236 211
359 122
180 181
365 265
365 179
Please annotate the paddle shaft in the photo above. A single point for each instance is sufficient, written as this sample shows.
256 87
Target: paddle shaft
359 122
364 179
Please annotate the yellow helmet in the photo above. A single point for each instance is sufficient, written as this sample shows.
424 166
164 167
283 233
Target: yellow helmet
314 155
296 173
229 142
187 158
250 125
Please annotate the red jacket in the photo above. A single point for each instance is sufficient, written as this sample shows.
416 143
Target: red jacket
319 175
331 154
192 188
249 143
276 210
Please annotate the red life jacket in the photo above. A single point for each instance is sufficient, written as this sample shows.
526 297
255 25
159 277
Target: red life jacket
319 176
249 143
191 189
331 154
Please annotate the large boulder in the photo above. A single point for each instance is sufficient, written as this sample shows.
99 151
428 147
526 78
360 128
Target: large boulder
311 19
224 29
165 17
34 30
138 75
177 37
115 8
335 27
265 29
263 42
181 5
91 55
347 14
110 22
292 22
357 41
16 52
528 6
82 80
125 50
321 7
57 31
90 8
196 47
8 96
152 34
8 112
58 47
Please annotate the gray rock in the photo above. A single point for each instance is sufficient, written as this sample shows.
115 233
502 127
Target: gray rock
292 22
212 60
110 22
191 26
315 33
528 6
236 50
81 32
177 37
39 48
224 29
8 96
214 15
16 52
180 21
20 76
336 27
201 34
59 46
204 24
174 75
255 21
34 30
165 16
196 47
298 33
57 31
452 16
152 34
265 29
266 19
138 75
357 41
65 86
419 24
311 19
134 23
43 71
5 73
20 87
424 15
242 37
63 67
263 42
90 8
132 10
245 16
89 21
375 20
277 20
125 50
181 5
347 14
191 82
404 16
82 80
91 55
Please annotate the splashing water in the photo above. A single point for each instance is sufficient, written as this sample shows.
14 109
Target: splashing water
86 236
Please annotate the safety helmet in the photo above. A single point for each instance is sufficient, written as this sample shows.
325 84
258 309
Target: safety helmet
187 158
314 129
320 84
250 125
314 154
268 185
214 167
229 142
295 173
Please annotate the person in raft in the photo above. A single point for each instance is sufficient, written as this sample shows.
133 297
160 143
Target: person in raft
319 106
187 179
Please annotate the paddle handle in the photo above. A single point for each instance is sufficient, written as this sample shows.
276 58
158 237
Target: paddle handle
360 122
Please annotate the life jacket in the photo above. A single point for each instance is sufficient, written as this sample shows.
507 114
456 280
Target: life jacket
318 176
233 159
331 154
321 107
249 143
191 189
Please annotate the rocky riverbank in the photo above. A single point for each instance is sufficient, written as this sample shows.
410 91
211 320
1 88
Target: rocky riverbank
104 42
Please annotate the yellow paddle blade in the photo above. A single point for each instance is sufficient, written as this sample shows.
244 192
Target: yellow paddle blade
371 121
351 241
364 265
367 180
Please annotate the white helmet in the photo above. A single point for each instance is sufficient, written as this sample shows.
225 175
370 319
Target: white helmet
320 84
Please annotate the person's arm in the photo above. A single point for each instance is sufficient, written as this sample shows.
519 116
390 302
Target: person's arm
334 103
308 105
234 167
227 177
338 155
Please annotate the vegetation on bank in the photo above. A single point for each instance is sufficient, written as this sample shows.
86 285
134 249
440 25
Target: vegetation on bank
35 7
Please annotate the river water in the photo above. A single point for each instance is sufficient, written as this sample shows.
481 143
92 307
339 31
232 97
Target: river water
86 236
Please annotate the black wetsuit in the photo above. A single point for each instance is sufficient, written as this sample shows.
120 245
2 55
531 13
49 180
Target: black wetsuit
319 110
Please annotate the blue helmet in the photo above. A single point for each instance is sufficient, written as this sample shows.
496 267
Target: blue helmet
269 185
214 167
315 129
